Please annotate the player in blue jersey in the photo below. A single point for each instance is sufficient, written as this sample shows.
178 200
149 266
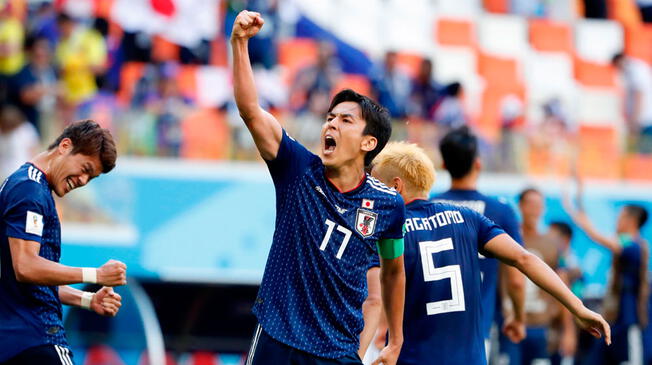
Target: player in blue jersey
626 300
332 219
443 311
459 151
33 284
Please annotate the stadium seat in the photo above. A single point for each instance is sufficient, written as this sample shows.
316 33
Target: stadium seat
187 81
164 50
409 28
456 64
503 35
206 135
102 355
624 12
549 36
358 83
638 42
599 155
637 167
599 107
130 73
594 74
455 32
499 71
213 86
496 6
219 56
293 54
459 8
409 62
360 34
598 40
549 76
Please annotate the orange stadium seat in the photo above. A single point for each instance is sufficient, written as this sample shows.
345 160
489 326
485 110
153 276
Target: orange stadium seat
637 167
594 74
130 73
357 83
624 12
296 53
410 62
164 50
498 71
599 155
496 6
206 135
187 81
549 36
219 56
455 32
638 42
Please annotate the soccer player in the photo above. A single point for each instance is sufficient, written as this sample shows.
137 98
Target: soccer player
33 285
332 219
626 300
443 311
459 151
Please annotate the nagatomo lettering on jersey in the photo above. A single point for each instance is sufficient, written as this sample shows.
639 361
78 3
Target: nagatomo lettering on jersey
435 221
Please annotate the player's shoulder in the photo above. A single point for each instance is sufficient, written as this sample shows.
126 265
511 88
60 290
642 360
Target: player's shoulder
381 190
27 180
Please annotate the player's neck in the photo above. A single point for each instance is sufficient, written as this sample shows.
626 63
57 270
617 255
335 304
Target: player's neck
530 229
468 182
43 161
345 178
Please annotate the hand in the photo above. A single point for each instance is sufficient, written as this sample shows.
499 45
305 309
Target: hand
113 273
594 324
106 302
247 24
514 330
388 356
568 343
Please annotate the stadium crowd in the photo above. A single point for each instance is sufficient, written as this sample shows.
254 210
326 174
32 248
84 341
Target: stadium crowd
56 67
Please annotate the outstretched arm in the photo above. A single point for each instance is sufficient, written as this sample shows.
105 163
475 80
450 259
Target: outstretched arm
508 251
264 128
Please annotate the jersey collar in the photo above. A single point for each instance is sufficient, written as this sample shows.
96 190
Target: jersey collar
358 187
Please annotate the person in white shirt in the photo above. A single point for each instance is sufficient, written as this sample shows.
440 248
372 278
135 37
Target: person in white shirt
19 140
637 80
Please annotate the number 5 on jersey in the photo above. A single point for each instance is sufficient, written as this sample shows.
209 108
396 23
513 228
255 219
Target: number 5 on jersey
347 235
432 273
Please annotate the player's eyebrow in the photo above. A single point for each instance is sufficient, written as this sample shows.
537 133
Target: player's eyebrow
91 170
341 115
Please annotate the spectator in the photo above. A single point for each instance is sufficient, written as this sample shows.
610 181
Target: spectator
18 140
391 86
81 55
35 87
425 92
12 35
449 114
637 79
43 23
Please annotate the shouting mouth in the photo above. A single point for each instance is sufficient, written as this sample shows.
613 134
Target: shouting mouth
329 144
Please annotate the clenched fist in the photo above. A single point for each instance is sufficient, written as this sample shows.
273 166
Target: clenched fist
106 302
113 273
247 24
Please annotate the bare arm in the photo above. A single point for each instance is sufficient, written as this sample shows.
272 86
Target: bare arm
31 268
104 302
508 251
515 287
265 129
392 281
371 310
644 289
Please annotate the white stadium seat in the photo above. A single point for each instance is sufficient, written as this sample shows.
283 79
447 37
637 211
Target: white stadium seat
503 35
598 40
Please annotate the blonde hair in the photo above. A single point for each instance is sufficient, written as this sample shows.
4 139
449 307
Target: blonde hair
409 162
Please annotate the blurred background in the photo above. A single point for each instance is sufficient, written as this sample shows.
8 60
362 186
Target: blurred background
553 88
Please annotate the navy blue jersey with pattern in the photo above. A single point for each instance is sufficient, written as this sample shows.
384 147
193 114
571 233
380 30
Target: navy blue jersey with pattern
499 211
314 284
443 306
30 315
629 260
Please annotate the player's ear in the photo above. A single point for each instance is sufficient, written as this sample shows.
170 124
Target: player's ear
369 143
477 164
65 146
398 184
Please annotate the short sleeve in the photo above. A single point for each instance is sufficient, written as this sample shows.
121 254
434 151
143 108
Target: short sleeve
292 160
486 229
24 211
397 220
510 224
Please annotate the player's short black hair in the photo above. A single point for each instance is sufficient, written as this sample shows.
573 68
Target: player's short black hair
527 191
638 212
617 57
379 124
563 228
90 139
459 148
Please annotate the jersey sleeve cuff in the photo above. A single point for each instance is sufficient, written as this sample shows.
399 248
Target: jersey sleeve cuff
390 248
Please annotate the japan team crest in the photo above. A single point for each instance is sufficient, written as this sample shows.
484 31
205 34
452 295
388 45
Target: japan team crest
365 222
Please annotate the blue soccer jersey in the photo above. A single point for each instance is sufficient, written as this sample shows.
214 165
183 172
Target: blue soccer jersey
30 315
443 306
629 263
315 282
503 215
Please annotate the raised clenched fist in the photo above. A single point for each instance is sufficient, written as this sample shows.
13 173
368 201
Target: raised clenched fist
247 24
112 273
